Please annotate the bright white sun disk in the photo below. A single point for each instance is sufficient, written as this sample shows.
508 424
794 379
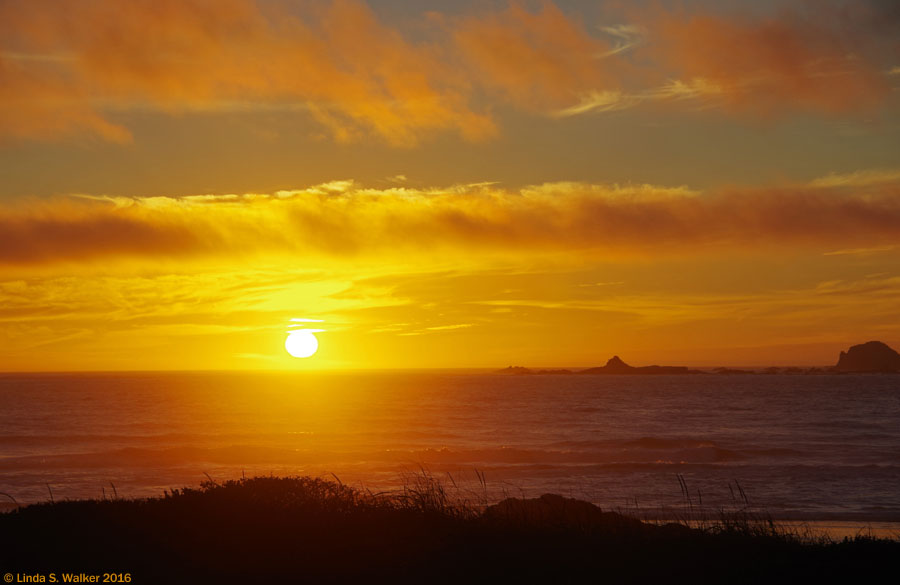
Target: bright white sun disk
301 343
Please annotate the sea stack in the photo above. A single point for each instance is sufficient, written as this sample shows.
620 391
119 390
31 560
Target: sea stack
873 356
615 365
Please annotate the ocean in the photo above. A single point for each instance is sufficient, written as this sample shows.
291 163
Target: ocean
797 447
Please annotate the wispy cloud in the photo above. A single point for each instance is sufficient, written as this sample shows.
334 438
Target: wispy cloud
864 178
449 327
592 284
627 36
673 90
600 101
860 251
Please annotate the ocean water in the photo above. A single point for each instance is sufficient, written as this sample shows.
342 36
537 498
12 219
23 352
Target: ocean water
798 447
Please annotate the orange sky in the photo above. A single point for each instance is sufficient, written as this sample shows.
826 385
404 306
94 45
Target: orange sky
446 184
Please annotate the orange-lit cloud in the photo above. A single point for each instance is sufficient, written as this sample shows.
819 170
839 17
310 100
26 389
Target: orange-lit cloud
40 105
336 61
538 61
824 61
345 220
72 68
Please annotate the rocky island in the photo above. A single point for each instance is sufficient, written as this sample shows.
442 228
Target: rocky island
870 357
616 366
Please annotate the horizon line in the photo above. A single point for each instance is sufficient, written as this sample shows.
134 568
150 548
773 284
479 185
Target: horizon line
473 369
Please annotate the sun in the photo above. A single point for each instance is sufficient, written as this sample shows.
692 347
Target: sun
301 343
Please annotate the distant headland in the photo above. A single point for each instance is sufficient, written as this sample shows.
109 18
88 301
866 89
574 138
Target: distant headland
870 357
873 356
614 365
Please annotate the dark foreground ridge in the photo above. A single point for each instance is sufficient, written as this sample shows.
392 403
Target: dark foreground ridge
305 530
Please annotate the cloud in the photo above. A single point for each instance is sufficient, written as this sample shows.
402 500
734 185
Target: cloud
335 61
71 68
66 229
861 251
627 37
660 308
828 60
449 327
538 61
864 178
832 60
600 101
41 105
671 90
348 220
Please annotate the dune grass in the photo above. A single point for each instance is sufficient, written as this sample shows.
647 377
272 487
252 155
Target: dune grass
303 529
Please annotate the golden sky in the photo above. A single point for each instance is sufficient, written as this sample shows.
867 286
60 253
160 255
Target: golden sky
446 184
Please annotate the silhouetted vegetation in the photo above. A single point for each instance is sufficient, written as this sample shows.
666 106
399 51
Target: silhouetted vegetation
302 529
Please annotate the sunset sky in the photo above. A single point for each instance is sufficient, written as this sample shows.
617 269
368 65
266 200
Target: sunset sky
447 184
